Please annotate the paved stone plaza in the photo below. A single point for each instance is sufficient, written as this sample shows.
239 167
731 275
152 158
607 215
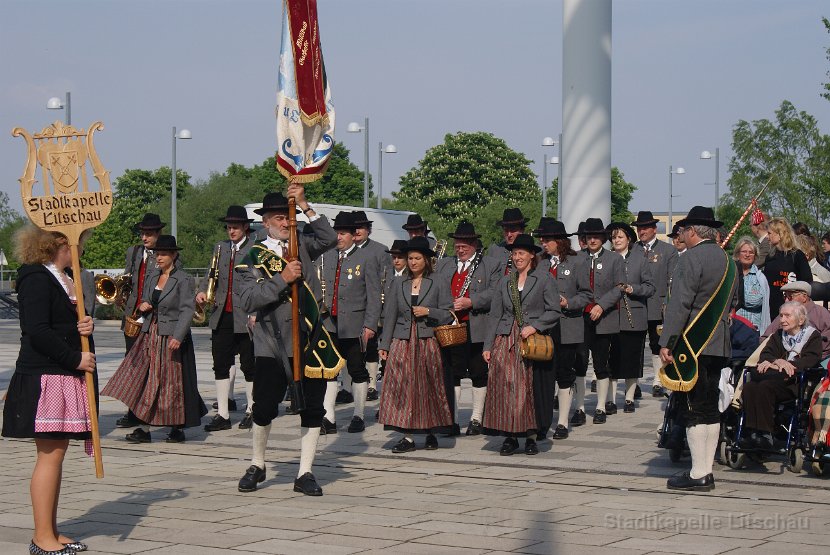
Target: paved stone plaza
601 491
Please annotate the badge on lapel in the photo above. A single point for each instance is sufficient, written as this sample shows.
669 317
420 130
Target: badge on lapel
350 276
357 270
599 266
567 272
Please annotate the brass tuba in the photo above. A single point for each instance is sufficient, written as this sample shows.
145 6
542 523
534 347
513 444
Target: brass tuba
200 314
109 290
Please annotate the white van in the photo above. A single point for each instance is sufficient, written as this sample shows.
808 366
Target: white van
386 224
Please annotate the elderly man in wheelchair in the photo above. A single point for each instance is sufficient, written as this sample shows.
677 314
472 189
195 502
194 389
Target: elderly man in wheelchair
794 349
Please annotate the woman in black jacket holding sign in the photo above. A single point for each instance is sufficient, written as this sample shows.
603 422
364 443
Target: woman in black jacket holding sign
520 392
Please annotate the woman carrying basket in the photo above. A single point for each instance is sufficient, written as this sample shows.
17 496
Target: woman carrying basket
414 396
520 391
157 379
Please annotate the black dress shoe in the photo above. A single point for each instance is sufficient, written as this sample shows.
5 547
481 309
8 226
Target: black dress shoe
328 427
599 417
138 436
176 435
687 483
343 397
34 549
561 432
510 445
763 440
579 418
431 443
629 406
247 422
404 446
77 547
474 428
658 391
593 386
127 421
530 447
610 408
372 394
218 423
307 485
638 393
356 425
454 431
253 476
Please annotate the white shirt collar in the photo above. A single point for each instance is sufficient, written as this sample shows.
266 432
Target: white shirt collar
63 278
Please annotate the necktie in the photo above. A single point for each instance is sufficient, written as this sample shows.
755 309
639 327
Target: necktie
336 284
229 298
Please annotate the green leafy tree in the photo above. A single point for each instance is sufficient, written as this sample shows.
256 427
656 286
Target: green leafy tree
135 192
10 222
621 193
792 151
826 86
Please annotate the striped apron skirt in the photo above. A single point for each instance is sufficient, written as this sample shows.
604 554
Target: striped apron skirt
510 402
414 397
157 384
819 420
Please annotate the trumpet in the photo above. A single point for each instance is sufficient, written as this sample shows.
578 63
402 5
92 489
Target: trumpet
109 290
200 313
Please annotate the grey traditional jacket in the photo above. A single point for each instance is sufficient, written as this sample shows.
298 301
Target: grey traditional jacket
695 280
240 317
269 298
434 295
378 250
358 294
609 271
132 265
638 276
500 256
176 305
662 259
482 285
572 280
539 306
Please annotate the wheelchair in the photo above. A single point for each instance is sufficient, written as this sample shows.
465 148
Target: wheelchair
790 436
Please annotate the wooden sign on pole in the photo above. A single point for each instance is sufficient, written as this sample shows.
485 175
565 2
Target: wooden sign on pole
68 205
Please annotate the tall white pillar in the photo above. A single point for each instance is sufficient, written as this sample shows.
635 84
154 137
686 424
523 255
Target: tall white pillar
586 111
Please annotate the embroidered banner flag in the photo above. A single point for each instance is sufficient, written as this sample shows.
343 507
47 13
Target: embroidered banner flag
305 114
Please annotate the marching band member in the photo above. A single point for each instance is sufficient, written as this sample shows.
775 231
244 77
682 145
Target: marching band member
157 379
265 278
627 346
229 323
571 272
415 226
606 270
520 392
471 278
140 264
662 259
353 301
677 240
512 224
396 252
700 275
363 241
414 396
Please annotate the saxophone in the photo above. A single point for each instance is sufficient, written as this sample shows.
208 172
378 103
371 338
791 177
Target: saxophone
200 314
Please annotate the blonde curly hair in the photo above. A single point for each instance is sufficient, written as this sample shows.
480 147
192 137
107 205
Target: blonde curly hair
32 245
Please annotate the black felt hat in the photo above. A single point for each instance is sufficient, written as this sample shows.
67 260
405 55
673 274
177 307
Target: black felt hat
550 227
593 226
398 247
420 244
150 222
273 202
526 242
414 221
345 220
360 219
465 231
236 215
675 231
627 229
166 243
700 215
645 219
512 216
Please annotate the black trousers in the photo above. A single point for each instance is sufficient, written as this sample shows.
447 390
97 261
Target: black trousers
760 398
372 349
270 384
653 338
355 360
466 361
626 359
565 360
600 347
225 345
700 405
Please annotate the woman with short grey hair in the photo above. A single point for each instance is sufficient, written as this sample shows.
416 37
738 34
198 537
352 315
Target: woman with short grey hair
755 306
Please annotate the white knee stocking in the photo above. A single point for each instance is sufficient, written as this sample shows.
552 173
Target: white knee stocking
579 399
612 391
308 448
565 403
328 400
697 436
249 396
457 391
630 388
359 391
260 434
479 395
602 393
222 388
372 368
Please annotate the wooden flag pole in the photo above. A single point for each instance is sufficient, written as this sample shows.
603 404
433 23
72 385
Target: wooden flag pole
298 398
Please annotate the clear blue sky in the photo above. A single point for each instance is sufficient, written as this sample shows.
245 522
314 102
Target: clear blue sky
684 72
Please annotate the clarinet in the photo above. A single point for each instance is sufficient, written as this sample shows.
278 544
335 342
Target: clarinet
627 306
468 280
320 276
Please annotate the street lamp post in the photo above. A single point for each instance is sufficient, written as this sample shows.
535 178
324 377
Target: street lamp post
183 134
390 149
55 103
547 141
706 155
354 127
672 171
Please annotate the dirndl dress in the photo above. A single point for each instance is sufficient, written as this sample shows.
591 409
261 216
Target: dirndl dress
159 385
414 397
510 402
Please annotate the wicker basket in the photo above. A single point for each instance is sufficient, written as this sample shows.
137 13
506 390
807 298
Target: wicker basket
451 334
131 326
